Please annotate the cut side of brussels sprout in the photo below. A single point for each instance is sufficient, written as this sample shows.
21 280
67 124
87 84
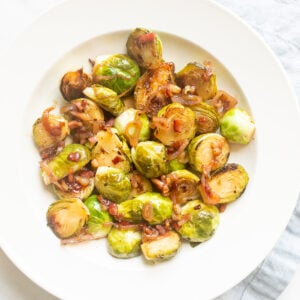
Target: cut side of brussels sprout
237 126
227 184
124 243
66 217
162 248
208 152
112 184
145 47
117 72
202 221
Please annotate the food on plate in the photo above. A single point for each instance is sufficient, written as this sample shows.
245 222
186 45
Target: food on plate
139 154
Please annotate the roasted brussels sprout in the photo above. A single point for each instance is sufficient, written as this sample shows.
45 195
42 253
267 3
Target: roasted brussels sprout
73 83
99 222
150 158
117 72
178 124
175 165
145 47
152 207
150 93
139 184
199 76
237 126
207 118
66 217
112 184
162 248
124 243
201 223
49 130
71 159
208 152
111 151
105 98
79 185
134 125
225 185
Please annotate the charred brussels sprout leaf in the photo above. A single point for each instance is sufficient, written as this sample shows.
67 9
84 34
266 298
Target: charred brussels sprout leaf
202 222
100 222
72 159
162 248
117 72
124 243
150 158
112 184
145 47
66 217
237 126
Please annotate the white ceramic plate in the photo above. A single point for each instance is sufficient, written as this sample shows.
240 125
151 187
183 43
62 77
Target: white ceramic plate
64 39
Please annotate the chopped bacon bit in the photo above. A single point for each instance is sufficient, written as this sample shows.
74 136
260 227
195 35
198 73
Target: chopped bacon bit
68 108
54 130
222 207
80 115
176 149
74 156
147 38
222 102
184 219
160 122
75 124
113 209
178 125
116 160
161 185
161 229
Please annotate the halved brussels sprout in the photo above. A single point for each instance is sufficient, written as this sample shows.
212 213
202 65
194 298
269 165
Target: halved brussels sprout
49 130
73 83
237 126
99 222
150 158
152 207
145 47
111 151
178 124
134 125
139 184
150 93
105 98
208 152
201 223
162 248
70 160
117 72
226 184
112 184
124 243
66 217
199 76
79 185
207 119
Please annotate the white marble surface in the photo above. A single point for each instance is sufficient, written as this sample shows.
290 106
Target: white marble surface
278 21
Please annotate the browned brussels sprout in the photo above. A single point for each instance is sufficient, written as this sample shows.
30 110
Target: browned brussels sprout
73 83
145 47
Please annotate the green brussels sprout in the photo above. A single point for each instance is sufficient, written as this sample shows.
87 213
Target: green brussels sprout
80 185
207 118
152 207
237 126
226 184
202 221
150 158
105 98
49 130
179 124
145 47
175 165
73 83
208 152
199 76
66 217
70 160
162 248
117 72
99 222
111 151
150 93
112 184
134 125
124 243
139 184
